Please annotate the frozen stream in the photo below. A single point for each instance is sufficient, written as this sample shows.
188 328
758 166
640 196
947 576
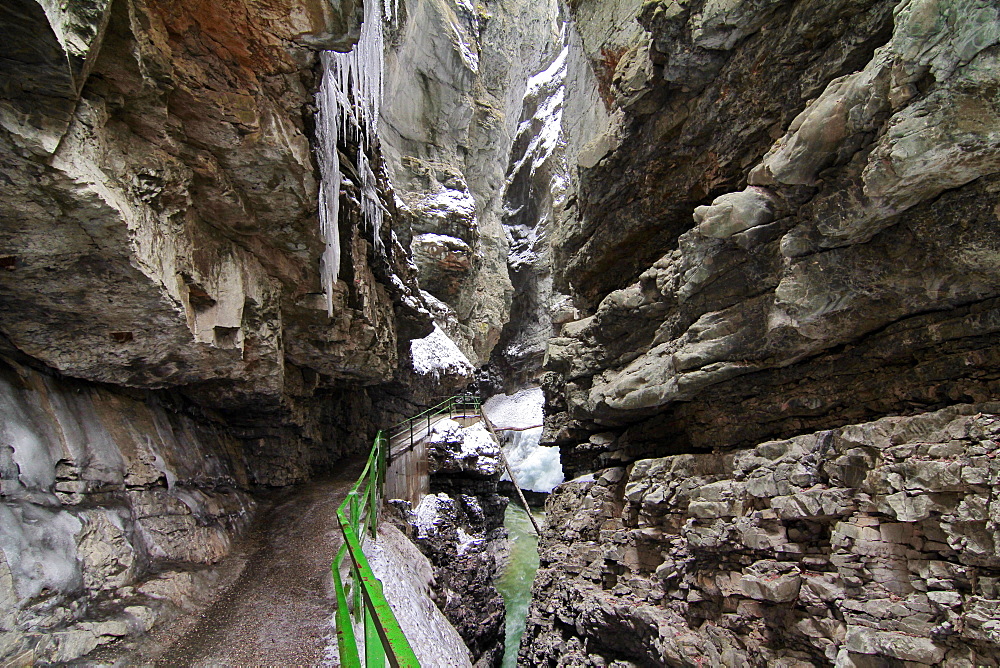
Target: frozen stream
515 582
537 468
519 418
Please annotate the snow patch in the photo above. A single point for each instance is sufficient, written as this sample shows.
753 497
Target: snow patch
554 73
445 203
437 307
516 411
450 242
467 541
428 515
445 431
478 442
437 355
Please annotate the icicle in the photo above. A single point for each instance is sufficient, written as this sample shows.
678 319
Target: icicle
349 102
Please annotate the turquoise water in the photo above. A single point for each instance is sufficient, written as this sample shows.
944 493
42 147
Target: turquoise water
515 582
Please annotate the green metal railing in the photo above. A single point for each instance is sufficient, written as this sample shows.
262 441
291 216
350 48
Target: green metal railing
458 405
362 599
358 516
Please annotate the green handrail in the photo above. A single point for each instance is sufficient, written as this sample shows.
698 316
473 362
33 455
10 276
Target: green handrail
358 517
449 405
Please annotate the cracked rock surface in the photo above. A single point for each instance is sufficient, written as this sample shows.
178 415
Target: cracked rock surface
872 544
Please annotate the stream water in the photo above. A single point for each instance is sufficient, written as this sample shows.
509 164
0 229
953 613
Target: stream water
515 582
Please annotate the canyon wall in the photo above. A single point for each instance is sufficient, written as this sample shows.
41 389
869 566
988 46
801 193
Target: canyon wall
783 248
166 342
781 223
455 83
868 545
459 526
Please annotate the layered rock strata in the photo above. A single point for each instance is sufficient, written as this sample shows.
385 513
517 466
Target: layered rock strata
780 222
822 252
868 545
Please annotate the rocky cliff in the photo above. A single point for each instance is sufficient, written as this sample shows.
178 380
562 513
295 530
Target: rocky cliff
781 221
867 545
455 85
167 344
799 218
459 526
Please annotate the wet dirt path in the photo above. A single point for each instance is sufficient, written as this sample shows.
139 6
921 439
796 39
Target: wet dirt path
277 610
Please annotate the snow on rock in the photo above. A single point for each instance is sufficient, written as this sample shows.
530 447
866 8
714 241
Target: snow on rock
444 240
469 450
445 432
516 411
477 442
468 540
433 511
437 355
444 204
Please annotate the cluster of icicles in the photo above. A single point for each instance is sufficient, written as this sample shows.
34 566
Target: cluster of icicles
348 102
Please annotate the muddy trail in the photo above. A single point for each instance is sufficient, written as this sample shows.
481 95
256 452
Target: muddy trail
275 595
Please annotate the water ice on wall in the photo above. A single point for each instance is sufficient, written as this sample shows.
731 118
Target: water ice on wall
536 467
349 101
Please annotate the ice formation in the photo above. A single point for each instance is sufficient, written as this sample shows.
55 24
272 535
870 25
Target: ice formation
437 355
349 101
536 467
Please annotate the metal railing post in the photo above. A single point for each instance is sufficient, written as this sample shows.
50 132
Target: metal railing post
358 517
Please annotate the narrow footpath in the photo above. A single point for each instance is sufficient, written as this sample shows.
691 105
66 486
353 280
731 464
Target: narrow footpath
277 610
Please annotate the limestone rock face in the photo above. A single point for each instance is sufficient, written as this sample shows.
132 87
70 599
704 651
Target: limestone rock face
781 221
535 195
821 250
165 346
455 83
871 544
160 214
